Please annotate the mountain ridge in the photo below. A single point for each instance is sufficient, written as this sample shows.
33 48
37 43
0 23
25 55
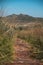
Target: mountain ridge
22 18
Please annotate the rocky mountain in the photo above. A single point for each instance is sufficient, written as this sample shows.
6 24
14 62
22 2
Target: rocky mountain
21 18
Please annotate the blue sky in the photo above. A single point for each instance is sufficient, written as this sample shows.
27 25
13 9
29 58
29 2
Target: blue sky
30 7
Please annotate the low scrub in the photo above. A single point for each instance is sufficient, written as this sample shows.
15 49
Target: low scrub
35 38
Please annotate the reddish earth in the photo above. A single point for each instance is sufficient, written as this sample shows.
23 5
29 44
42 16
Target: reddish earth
22 54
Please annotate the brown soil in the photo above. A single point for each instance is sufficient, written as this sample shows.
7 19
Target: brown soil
22 54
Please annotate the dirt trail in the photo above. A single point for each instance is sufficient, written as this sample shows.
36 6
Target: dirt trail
22 52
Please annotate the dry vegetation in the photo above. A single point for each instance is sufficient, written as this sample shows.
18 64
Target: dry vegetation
34 36
16 27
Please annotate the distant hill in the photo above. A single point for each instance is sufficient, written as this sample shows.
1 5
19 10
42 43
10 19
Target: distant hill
21 18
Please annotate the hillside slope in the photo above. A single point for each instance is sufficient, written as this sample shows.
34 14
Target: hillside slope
21 18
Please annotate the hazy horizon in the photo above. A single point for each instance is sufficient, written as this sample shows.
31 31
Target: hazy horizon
29 7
